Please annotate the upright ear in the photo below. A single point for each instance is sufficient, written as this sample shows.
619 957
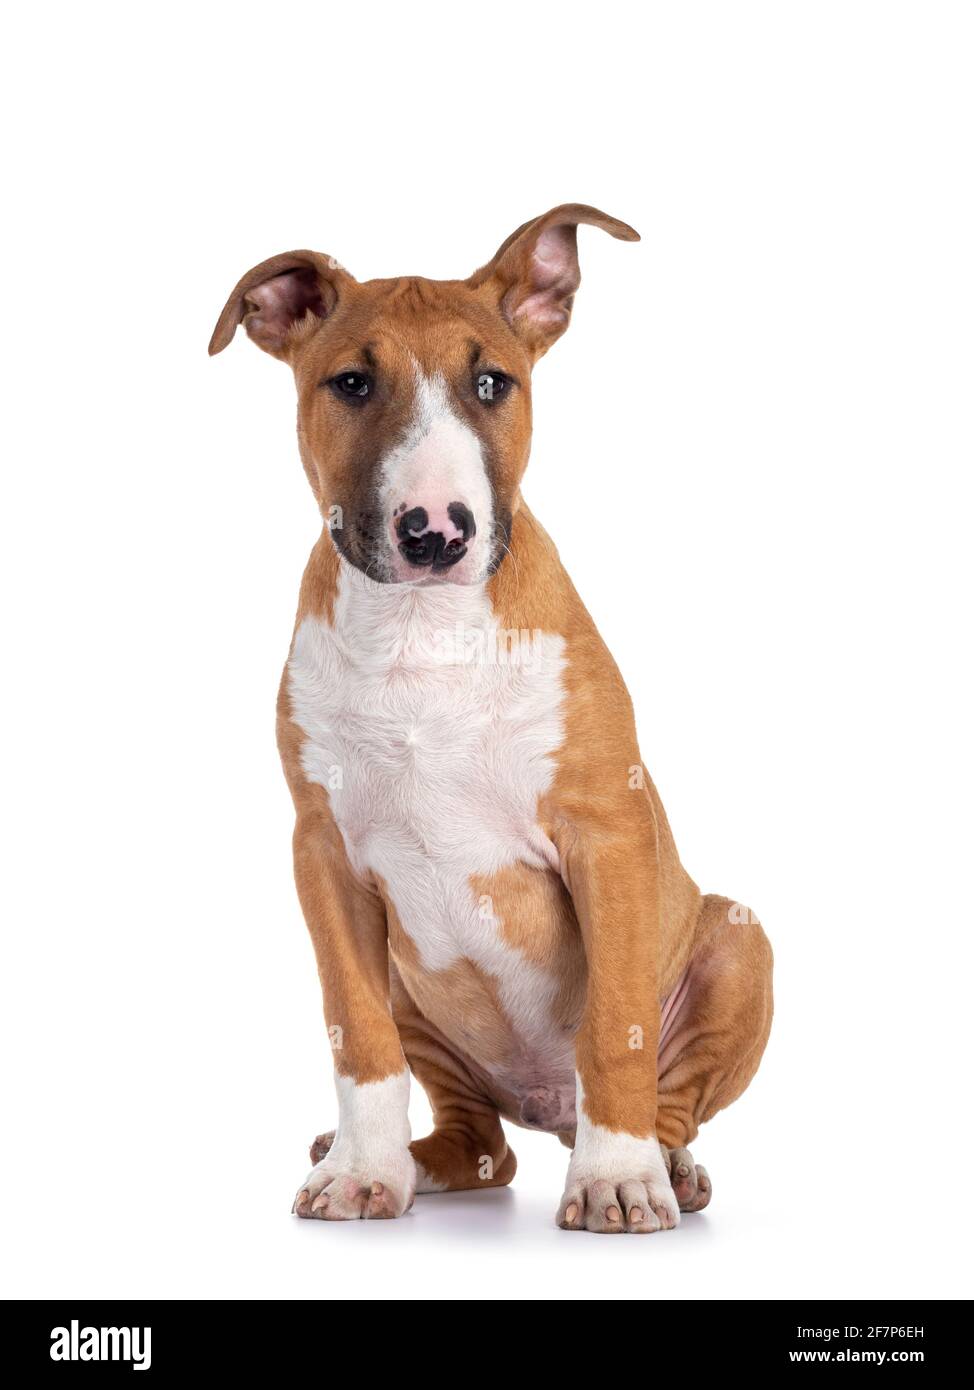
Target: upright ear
278 294
535 273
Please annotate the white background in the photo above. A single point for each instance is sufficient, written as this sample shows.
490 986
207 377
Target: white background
754 450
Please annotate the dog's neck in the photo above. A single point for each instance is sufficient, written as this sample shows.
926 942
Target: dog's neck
386 626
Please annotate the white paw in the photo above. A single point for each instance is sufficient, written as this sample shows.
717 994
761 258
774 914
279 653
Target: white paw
350 1187
617 1183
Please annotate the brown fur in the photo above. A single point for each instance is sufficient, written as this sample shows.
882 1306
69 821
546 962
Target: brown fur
626 920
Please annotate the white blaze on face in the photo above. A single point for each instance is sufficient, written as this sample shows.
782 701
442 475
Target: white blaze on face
439 462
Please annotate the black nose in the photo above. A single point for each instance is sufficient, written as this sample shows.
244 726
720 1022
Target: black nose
420 546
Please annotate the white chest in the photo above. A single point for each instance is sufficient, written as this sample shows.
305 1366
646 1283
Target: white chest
434 734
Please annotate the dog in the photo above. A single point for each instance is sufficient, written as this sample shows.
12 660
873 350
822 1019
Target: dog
490 882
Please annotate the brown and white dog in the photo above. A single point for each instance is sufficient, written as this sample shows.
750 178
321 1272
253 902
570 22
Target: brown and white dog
489 879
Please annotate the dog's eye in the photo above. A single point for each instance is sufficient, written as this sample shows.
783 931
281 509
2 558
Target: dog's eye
491 386
352 385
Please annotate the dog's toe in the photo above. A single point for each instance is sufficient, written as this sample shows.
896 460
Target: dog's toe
691 1185
321 1145
637 1207
704 1191
603 1209
571 1213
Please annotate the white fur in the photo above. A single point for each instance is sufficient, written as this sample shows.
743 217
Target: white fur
424 1183
439 461
608 1155
441 764
372 1139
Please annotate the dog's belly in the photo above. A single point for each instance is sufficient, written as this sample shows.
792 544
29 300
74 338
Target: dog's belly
509 1005
434 771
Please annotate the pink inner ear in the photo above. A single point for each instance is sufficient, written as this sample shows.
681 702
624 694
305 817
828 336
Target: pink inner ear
281 303
554 276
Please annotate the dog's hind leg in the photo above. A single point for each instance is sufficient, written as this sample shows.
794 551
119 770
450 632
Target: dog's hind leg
715 1025
467 1148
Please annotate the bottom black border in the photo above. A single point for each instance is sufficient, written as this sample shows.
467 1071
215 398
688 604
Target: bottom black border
690 1337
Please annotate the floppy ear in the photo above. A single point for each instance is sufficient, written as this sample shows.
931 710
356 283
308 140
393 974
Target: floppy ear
535 273
276 295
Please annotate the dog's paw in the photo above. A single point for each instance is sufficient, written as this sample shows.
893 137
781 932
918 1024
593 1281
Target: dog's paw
615 1206
691 1183
623 1187
344 1187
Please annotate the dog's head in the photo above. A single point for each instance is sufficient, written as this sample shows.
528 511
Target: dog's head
414 397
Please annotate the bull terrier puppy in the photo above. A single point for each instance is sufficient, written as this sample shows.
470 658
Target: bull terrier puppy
488 876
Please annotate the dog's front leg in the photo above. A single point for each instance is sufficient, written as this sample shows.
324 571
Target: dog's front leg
368 1171
617 1177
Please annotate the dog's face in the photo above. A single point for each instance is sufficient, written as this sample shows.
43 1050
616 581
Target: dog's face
414 396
